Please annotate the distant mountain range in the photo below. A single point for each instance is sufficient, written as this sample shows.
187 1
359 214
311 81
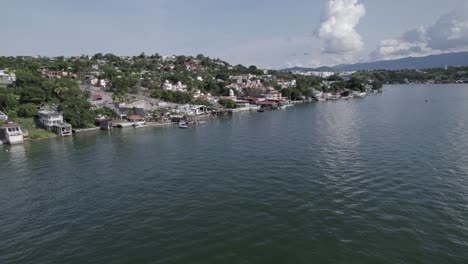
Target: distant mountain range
432 61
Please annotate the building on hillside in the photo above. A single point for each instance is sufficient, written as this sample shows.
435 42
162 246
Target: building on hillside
272 94
136 119
167 86
96 97
6 77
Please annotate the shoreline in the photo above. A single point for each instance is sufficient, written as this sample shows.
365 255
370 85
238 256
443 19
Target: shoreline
148 124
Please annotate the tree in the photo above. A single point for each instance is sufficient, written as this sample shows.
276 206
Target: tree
98 56
27 110
227 103
26 78
296 94
76 112
355 84
253 92
32 94
119 98
8 102
376 85
201 102
109 72
59 90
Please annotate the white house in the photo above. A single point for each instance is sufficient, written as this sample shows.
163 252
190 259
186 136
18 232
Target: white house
272 94
52 120
167 86
7 77
49 118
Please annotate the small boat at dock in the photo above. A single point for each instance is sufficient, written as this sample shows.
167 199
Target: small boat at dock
183 124
139 124
125 125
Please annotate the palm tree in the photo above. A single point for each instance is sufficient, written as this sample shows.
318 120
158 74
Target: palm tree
60 90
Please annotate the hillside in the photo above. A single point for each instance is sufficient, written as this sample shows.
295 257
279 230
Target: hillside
432 61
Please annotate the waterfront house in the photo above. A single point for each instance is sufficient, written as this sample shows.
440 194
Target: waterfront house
3 117
136 119
198 110
242 104
62 129
53 121
49 118
12 133
272 94
267 104
107 124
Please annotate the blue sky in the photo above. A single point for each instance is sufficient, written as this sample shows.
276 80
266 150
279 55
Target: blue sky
270 34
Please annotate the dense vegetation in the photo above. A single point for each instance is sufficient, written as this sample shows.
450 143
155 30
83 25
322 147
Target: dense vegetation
436 75
32 90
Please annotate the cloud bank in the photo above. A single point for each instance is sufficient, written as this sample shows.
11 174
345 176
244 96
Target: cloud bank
448 34
338 27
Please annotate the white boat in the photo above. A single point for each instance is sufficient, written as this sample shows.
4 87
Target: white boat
139 124
285 106
125 124
182 124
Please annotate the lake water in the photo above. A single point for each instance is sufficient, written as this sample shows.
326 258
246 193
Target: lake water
382 179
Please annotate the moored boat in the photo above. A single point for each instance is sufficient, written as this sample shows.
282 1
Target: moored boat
125 124
183 124
139 124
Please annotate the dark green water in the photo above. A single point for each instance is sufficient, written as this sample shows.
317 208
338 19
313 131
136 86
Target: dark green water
378 180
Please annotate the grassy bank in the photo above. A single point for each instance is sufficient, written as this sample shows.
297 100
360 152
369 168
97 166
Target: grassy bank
33 131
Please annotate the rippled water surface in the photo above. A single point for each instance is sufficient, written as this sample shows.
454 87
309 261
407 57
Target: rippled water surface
377 180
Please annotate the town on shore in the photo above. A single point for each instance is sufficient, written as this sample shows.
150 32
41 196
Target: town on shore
48 96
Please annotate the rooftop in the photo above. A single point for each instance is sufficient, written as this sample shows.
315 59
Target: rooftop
10 125
135 117
49 113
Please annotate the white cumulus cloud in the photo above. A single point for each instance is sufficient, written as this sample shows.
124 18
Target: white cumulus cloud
450 31
338 27
448 34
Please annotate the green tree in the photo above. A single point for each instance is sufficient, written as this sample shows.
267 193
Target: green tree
27 110
227 103
376 85
59 90
8 102
76 112
119 98
201 102
32 94
253 92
